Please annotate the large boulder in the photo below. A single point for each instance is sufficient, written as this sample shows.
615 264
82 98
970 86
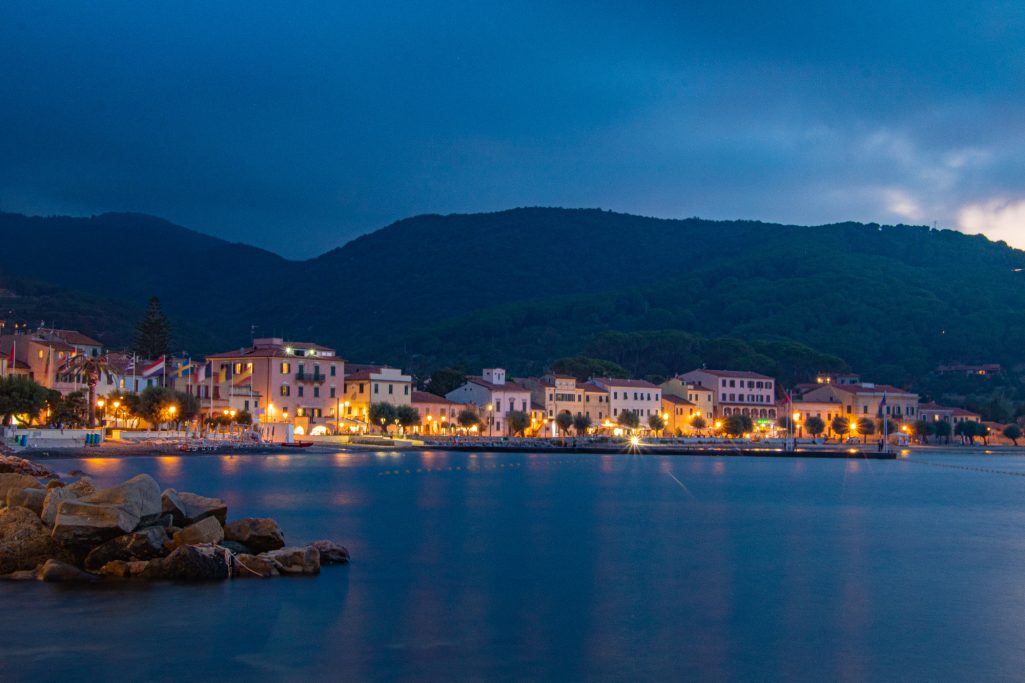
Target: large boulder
254 567
295 560
24 541
31 498
55 570
190 563
260 534
86 522
15 482
331 552
200 507
82 487
207 530
139 496
172 504
52 500
145 544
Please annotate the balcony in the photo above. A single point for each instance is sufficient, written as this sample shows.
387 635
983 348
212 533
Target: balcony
315 377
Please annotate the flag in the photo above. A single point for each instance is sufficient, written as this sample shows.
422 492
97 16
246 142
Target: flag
154 367
185 369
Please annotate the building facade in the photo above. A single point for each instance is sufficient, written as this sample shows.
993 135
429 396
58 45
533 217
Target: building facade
633 395
737 392
495 397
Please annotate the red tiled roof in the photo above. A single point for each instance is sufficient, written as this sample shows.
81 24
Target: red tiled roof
670 398
591 386
428 397
73 337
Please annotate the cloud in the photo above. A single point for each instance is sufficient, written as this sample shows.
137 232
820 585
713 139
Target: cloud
998 219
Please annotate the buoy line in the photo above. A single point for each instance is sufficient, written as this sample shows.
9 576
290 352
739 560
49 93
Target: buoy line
969 468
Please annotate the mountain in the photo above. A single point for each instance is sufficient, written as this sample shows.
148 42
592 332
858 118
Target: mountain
525 286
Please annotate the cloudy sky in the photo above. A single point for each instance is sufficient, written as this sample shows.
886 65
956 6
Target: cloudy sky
297 126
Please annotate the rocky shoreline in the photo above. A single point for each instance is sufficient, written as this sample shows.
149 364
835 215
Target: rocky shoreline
55 530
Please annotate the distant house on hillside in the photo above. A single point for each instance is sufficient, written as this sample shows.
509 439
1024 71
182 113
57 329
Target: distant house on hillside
967 369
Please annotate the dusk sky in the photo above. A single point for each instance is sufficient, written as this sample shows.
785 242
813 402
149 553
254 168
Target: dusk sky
298 126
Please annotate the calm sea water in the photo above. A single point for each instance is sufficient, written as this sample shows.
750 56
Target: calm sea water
549 567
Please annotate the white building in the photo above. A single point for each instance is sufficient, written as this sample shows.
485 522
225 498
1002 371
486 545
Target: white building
634 395
737 392
495 397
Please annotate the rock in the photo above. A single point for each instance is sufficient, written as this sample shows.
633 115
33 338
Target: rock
207 530
16 482
20 575
331 552
16 465
139 497
200 507
295 560
145 544
86 522
163 521
27 498
82 526
123 570
55 484
171 504
190 563
52 500
55 570
24 541
253 567
260 534
82 487
237 548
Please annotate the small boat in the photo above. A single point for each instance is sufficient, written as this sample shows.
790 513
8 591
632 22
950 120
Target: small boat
296 444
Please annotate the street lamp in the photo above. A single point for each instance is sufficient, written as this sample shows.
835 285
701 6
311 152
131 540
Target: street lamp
491 420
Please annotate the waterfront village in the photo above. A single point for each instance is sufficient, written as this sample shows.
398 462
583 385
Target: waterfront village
276 391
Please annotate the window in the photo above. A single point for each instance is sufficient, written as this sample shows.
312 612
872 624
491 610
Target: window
316 392
285 391
301 391
361 387
376 387
732 383
285 368
332 392
405 390
391 388
238 368
615 395
332 370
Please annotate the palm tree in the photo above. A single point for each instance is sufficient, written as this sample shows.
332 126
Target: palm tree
91 368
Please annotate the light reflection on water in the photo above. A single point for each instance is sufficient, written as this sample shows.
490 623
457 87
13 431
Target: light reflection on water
485 566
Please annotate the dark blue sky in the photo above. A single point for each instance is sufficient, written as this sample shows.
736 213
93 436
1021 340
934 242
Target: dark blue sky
297 126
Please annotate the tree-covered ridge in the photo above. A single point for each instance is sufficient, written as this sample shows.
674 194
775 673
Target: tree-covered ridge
524 287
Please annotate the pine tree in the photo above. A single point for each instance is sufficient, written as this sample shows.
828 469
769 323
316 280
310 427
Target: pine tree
153 335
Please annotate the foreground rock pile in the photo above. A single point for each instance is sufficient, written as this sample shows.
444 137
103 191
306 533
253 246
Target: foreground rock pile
73 532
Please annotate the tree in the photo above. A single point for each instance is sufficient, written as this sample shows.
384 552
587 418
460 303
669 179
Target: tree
942 430
737 425
382 414
1013 432
698 422
840 426
922 429
581 423
583 368
244 418
815 425
21 399
656 423
153 334
157 405
468 418
887 425
968 429
629 419
91 368
444 380
71 410
564 421
866 428
408 416
518 422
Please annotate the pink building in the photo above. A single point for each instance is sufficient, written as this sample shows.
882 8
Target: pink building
495 397
737 392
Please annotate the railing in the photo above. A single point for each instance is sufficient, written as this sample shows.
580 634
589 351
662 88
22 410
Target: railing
314 377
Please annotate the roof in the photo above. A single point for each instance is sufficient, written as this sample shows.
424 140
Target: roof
428 397
964 413
734 373
590 386
275 351
368 372
73 337
874 389
670 398
613 382
508 386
